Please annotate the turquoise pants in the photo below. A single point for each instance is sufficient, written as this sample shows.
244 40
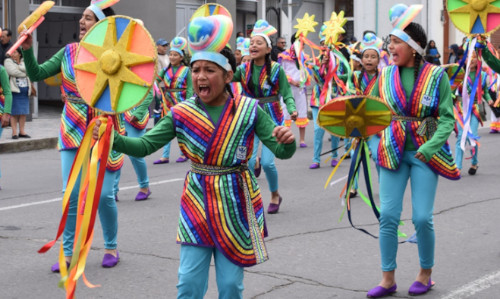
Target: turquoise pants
108 213
193 274
166 151
139 164
267 162
423 191
459 153
318 138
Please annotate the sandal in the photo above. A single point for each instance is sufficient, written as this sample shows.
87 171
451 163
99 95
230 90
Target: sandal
472 170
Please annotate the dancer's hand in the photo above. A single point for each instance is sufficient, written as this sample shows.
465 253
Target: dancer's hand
294 115
283 135
421 157
5 120
28 42
95 132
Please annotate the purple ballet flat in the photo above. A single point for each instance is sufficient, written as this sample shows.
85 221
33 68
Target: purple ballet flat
418 288
109 261
274 208
55 267
303 145
160 161
143 196
181 159
378 291
314 166
335 162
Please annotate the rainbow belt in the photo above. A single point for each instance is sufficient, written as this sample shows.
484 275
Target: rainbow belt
270 99
254 229
428 125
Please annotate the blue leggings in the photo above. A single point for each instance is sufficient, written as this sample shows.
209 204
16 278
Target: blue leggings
267 162
318 138
474 124
166 151
139 164
423 191
193 274
108 213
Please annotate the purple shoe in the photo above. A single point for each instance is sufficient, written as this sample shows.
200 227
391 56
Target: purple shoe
492 131
181 159
258 170
274 208
55 267
160 161
418 288
379 291
109 261
335 162
303 145
314 166
143 196
116 197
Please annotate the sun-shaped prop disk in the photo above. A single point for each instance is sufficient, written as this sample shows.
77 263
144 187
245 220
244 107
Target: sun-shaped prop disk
334 27
112 67
478 14
305 25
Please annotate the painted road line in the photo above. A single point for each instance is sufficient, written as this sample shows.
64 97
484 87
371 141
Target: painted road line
475 286
35 203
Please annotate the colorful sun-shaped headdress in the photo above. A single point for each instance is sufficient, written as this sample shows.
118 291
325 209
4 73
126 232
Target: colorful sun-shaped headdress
178 44
97 6
264 29
400 16
207 36
371 41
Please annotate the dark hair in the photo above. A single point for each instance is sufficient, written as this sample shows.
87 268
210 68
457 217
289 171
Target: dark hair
228 53
417 33
293 38
107 12
9 32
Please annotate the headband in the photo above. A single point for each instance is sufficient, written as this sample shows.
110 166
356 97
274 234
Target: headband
401 16
178 44
268 41
97 6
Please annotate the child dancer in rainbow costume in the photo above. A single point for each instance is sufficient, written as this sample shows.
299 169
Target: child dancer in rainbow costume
414 146
5 101
216 132
475 118
178 86
290 64
265 81
318 99
74 120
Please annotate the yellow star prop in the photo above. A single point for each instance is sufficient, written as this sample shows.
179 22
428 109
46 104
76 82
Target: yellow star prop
305 25
334 27
355 118
113 63
477 8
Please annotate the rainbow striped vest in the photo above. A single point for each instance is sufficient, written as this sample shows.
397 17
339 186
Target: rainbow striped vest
424 102
175 78
264 89
77 114
213 207
365 85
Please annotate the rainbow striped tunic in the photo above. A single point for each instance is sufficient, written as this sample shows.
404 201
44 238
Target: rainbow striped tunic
76 114
424 102
175 79
214 207
264 89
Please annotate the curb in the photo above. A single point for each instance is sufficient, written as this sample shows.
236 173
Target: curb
28 145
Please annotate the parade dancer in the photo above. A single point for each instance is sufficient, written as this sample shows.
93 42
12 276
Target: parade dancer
75 117
5 101
494 63
412 147
290 64
475 118
135 121
178 86
221 206
265 81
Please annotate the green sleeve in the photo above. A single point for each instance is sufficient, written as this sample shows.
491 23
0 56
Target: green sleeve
189 87
237 74
286 92
445 123
486 94
160 75
38 72
491 60
375 91
264 130
150 142
143 108
5 84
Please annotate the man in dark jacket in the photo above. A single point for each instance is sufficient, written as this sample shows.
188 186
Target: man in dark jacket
280 47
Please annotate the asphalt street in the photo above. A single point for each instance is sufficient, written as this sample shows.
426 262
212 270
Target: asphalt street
312 253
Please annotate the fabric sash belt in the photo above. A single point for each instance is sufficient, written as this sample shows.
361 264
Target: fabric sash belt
76 100
427 128
253 226
175 89
270 99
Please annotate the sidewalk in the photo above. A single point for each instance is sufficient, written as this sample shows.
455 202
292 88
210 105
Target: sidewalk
43 130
